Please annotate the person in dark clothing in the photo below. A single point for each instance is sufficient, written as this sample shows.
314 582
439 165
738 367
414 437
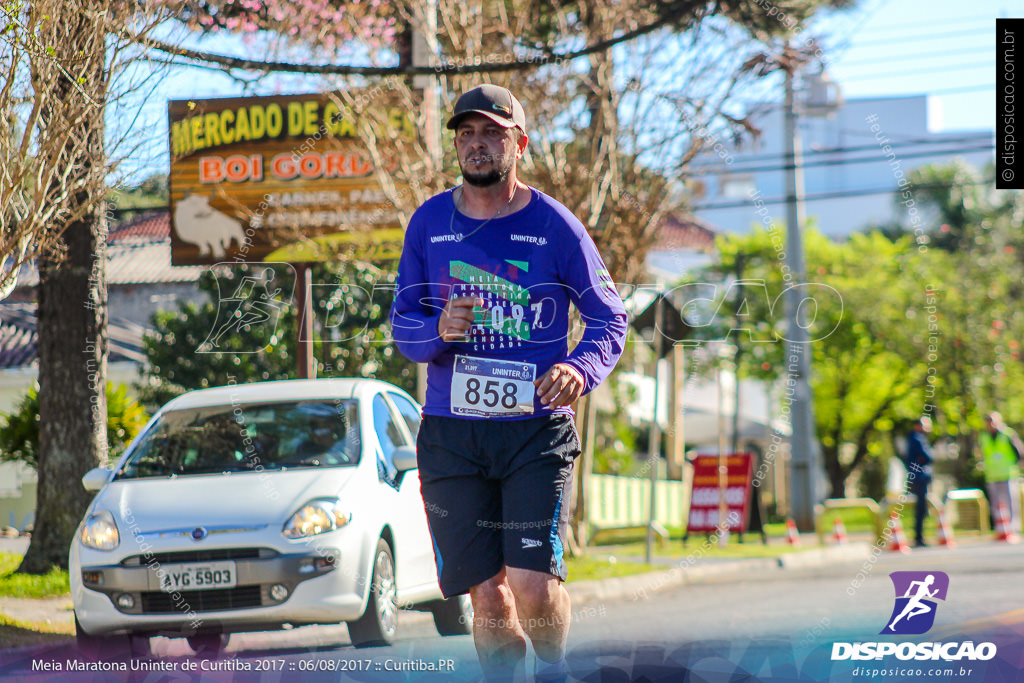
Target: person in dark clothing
918 461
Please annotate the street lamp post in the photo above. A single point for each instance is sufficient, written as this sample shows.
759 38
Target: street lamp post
654 440
798 351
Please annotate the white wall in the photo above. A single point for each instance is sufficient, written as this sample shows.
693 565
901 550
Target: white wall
901 120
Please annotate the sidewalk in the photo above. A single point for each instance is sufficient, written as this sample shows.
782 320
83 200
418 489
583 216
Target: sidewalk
693 569
58 612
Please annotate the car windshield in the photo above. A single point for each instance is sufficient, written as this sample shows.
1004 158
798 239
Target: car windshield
247 438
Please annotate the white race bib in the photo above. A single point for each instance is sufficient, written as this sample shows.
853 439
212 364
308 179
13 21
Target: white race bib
487 387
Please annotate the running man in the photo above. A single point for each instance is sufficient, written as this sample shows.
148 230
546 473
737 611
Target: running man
487 275
914 606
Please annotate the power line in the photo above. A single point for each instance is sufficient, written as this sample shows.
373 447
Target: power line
963 89
920 55
955 91
912 142
914 72
839 194
907 137
902 28
851 34
876 158
931 36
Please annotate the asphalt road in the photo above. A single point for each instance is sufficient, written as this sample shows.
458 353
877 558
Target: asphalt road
775 626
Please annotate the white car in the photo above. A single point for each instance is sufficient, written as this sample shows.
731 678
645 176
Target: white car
252 507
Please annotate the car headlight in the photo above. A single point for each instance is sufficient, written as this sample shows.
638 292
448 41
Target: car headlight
316 517
100 532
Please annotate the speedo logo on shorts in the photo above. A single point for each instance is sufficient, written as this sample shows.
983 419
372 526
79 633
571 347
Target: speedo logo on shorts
532 543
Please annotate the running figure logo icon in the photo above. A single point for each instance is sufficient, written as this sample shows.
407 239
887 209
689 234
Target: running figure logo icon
916 592
253 309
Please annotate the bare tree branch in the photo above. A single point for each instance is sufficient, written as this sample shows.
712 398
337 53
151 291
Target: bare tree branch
544 56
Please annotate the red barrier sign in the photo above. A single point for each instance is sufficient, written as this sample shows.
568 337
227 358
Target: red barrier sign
706 495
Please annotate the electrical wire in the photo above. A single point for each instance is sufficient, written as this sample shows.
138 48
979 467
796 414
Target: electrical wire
930 36
839 194
902 28
916 72
911 142
920 55
875 158
963 89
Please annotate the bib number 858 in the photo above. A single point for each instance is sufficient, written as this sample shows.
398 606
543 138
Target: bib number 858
489 395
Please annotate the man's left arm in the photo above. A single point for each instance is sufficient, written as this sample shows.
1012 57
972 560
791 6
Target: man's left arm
593 293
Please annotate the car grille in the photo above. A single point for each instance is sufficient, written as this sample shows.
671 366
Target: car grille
206 555
240 597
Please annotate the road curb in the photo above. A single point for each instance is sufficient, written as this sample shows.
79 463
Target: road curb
833 554
688 571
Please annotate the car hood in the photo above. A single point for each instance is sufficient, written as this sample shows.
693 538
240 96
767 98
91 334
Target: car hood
237 499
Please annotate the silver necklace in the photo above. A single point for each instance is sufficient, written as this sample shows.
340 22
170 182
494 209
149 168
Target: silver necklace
460 236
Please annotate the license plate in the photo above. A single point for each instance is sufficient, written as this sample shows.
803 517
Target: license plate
198 576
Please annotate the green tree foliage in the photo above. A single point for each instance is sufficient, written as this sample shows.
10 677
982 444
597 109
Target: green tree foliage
867 373
925 320
351 303
972 236
19 430
134 200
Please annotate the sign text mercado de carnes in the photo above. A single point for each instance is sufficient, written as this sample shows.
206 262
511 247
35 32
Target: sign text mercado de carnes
281 178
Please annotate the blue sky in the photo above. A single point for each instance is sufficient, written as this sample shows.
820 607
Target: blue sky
911 47
943 48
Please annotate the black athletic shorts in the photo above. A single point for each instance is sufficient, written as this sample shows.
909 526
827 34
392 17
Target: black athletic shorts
497 493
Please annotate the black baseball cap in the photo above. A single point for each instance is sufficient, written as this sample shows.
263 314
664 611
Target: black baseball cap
493 101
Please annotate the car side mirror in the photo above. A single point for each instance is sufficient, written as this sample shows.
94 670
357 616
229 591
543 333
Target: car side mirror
404 458
96 478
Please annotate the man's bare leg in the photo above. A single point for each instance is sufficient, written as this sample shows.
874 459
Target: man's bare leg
499 639
544 609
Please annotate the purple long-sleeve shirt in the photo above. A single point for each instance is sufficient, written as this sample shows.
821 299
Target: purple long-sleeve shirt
527 267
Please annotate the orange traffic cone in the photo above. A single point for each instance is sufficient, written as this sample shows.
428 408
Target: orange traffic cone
792 536
899 539
1003 530
838 532
945 532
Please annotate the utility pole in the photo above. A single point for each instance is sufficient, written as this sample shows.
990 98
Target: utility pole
803 444
654 438
304 355
424 52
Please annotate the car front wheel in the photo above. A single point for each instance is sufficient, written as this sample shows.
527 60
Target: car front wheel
208 645
379 623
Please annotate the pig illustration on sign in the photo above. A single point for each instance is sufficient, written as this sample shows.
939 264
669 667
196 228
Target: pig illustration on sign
207 228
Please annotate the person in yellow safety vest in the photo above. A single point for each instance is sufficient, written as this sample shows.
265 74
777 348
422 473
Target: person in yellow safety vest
1000 450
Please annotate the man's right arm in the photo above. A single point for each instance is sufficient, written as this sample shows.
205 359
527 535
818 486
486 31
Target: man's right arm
1015 443
414 312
